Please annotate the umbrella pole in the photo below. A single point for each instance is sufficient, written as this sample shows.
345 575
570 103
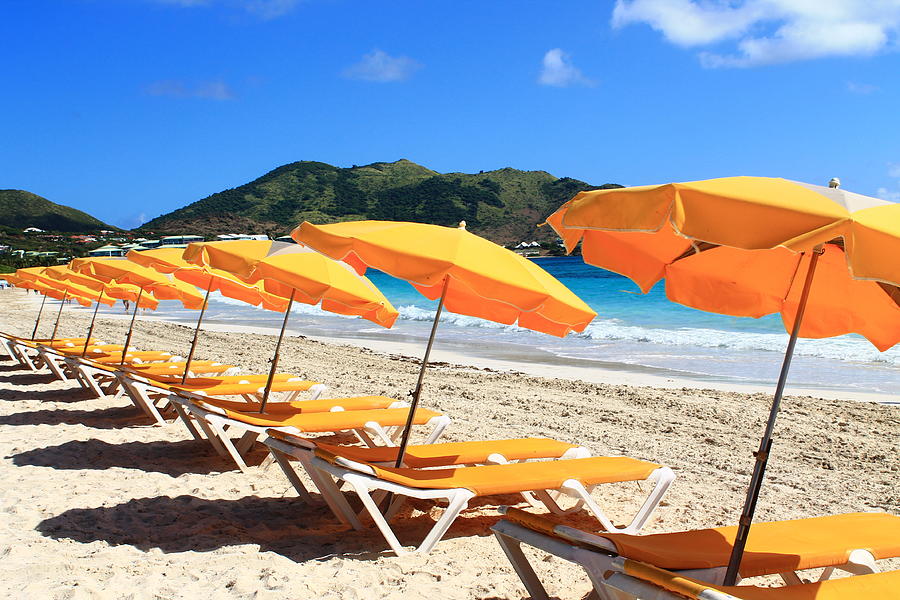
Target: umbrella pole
90 332
59 314
38 320
277 355
765 444
131 327
401 453
190 357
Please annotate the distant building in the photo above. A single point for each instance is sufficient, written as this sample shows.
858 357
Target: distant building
241 236
179 241
33 230
107 251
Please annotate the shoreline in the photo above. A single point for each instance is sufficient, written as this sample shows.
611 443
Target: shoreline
559 368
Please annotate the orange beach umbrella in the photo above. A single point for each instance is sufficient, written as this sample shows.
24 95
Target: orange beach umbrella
121 271
112 290
81 294
824 258
170 261
467 273
297 273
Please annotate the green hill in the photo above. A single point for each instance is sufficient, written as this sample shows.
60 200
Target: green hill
20 209
504 205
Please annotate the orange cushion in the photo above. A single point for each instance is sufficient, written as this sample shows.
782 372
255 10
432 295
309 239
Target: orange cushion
520 477
772 547
454 453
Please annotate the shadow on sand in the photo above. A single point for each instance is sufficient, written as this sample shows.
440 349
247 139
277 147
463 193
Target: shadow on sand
171 458
286 526
75 394
28 378
116 417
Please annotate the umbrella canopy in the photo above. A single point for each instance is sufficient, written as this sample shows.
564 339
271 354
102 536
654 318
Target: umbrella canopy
736 246
121 271
170 261
59 289
469 274
82 294
285 269
824 258
483 279
291 271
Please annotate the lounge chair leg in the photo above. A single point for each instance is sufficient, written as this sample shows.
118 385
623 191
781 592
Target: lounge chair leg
332 495
225 440
790 578
186 421
213 438
291 474
456 505
246 442
513 550
362 491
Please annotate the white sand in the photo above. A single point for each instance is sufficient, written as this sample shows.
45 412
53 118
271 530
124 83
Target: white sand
98 504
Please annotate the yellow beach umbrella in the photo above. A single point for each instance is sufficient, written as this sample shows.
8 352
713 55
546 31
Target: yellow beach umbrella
291 271
120 271
82 294
824 258
31 284
170 261
112 291
467 273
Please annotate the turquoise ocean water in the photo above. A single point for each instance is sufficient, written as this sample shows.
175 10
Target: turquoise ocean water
632 331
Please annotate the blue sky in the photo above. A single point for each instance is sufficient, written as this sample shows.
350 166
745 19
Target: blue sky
131 108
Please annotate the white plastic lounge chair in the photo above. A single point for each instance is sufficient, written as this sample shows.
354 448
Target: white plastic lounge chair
98 374
575 477
153 393
632 580
286 446
25 351
373 419
851 542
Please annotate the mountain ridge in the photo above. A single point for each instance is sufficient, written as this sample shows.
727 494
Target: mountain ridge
503 204
20 209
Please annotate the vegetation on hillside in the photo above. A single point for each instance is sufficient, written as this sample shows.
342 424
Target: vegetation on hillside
20 209
505 205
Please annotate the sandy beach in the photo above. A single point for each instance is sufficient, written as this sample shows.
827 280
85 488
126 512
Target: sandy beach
99 504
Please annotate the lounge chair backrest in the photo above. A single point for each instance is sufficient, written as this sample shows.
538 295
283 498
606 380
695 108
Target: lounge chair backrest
672 582
346 463
292 439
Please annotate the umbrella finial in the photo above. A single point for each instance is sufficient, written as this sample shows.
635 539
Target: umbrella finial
462 225
834 183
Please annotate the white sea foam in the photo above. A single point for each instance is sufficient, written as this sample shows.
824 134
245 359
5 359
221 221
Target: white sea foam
844 348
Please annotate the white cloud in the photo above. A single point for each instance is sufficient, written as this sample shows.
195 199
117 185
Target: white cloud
890 196
132 221
264 9
764 32
861 88
557 70
381 67
174 88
